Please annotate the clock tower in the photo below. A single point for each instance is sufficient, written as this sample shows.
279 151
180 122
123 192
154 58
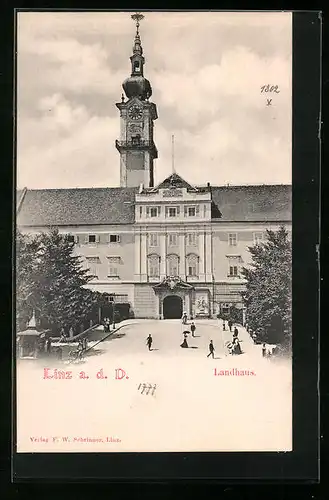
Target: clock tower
137 114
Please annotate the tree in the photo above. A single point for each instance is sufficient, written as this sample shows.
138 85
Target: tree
51 280
268 290
27 276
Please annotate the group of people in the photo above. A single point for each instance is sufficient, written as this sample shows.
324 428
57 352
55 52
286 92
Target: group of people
234 346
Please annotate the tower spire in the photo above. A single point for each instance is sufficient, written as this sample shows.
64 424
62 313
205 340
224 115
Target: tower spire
137 49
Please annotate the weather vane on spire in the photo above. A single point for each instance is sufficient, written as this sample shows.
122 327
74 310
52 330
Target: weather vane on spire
137 17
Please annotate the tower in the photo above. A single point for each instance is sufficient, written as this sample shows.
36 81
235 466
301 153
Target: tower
137 114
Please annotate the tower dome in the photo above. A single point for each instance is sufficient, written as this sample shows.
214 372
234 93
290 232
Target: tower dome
137 86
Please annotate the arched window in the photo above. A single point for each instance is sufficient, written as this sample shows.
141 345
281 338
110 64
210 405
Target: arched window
173 265
153 265
192 261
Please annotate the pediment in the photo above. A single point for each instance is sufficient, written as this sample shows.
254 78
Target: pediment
175 181
172 283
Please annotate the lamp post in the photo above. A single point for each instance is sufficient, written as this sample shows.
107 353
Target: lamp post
113 313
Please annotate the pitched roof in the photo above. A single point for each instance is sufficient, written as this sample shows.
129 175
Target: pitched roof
253 203
93 206
56 207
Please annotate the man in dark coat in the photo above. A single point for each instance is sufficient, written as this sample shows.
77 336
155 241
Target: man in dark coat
230 324
211 350
149 341
193 328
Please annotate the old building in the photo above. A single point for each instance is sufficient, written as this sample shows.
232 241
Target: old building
165 248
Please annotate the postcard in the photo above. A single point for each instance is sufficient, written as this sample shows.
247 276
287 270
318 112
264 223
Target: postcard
153 245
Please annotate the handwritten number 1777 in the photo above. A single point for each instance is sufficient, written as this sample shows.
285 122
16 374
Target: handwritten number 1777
268 88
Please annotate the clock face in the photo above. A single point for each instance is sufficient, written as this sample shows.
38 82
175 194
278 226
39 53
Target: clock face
135 112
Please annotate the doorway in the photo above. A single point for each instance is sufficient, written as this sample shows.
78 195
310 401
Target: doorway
172 307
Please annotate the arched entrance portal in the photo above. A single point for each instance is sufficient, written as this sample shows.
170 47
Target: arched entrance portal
172 307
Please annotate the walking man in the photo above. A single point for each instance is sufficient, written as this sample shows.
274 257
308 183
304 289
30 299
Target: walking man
211 350
224 325
149 341
235 333
230 324
193 328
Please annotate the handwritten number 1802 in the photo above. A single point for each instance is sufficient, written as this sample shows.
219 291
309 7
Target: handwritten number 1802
269 88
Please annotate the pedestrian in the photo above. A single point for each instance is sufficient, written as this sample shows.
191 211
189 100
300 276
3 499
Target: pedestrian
224 325
193 328
149 341
236 346
48 346
184 318
230 324
235 332
85 344
184 344
264 350
211 350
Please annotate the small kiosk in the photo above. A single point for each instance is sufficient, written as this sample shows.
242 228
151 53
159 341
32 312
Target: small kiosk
29 340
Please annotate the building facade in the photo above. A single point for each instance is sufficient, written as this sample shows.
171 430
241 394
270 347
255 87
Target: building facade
164 249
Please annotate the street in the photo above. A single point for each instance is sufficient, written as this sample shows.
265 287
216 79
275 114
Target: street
166 399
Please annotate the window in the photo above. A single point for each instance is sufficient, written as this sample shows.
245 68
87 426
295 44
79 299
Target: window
153 239
141 211
154 266
136 139
258 237
192 239
233 271
191 211
192 265
114 238
113 269
234 263
172 211
232 239
152 211
172 239
173 262
71 238
93 266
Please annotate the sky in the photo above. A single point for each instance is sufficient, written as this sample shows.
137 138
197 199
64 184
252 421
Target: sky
206 71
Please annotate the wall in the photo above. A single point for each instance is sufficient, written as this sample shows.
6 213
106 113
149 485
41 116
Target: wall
145 302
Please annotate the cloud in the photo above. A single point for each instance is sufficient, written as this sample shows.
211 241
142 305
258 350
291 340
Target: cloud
206 70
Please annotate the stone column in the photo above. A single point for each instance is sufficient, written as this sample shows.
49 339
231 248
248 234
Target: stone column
162 256
202 276
144 257
137 256
208 256
182 264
